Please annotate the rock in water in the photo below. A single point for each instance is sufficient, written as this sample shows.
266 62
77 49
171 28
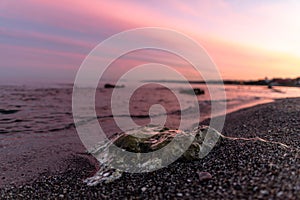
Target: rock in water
107 85
194 91
127 150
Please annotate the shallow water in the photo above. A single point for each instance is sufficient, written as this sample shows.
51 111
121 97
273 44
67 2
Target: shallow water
39 109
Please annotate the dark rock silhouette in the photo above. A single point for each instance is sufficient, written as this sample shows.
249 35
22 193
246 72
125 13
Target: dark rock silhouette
107 85
195 91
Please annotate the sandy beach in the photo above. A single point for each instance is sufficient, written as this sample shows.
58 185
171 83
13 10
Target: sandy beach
248 169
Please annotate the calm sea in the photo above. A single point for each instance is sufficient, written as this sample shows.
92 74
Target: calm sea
34 109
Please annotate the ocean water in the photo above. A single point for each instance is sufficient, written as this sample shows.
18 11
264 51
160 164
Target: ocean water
34 109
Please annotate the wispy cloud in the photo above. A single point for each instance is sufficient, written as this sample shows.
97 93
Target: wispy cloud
245 39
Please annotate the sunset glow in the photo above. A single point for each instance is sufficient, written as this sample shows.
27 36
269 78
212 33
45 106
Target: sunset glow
247 40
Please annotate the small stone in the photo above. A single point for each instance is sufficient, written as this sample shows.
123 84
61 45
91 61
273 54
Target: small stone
279 194
61 196
179 194
144 189
264 192
204 176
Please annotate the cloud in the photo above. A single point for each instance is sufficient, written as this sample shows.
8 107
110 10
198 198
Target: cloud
246 39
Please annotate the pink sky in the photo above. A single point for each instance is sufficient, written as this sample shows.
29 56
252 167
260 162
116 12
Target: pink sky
247 40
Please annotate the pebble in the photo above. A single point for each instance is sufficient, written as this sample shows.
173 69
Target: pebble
106 174
144 189
179 194
203 176
279 194
264 192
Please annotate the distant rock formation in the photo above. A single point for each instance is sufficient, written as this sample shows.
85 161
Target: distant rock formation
194 91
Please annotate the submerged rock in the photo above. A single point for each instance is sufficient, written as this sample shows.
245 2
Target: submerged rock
107 85
144 149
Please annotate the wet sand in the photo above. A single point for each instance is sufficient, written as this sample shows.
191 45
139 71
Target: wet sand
247 169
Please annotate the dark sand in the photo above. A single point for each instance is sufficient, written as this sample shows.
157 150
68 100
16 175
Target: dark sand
240 169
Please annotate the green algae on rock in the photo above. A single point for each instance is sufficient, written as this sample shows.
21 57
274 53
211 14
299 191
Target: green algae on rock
131 151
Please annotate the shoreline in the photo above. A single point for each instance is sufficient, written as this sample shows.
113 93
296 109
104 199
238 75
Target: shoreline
238 168
240 107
